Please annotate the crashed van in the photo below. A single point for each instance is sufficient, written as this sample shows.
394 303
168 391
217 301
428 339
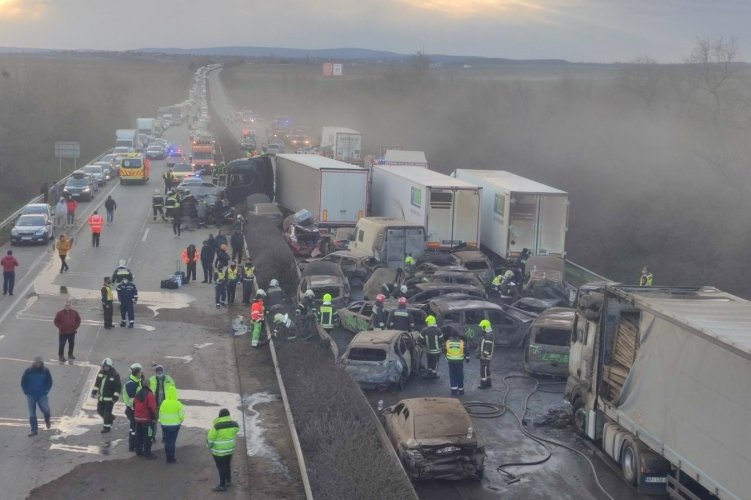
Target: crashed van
546 350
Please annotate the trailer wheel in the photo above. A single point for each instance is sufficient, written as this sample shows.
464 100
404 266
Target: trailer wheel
630 461
579 416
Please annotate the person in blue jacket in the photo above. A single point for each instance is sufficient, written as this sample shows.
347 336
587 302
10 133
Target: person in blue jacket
36 383
127 294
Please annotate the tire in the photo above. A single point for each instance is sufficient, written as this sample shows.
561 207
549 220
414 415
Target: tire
630 462
579 417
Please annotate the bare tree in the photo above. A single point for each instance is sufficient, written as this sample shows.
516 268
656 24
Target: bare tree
712 66
420 63
643 78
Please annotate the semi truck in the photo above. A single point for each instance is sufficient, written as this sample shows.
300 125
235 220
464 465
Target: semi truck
145 126
388 240
658 377
336 193
448 208
125 138
341 143
519 213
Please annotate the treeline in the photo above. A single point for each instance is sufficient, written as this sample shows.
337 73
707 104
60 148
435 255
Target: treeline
656 158
72 97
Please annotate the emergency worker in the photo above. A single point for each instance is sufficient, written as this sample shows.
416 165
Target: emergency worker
247 277
379 314
257 315
400 318
127 294
108 298
106 391
130 389
431 338
485 353
456 355
326 313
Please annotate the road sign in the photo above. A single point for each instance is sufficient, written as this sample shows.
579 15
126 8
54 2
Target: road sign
337 67
328 69
67 150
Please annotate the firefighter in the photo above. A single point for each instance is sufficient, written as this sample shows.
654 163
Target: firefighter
274 295
157 205
107 391
127 294
247 277
108 297
326 313
456 355
257 315
400 318
305 305
130 389
431 338
284 327
121 272
233 275
485 353
220 286
400 292
379 314
171 204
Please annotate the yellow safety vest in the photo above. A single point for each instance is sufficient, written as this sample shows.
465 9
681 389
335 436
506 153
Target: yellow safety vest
110 293
327 316
455 350
232 275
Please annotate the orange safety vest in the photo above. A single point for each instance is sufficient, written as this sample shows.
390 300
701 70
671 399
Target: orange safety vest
95 222
257 311
196 257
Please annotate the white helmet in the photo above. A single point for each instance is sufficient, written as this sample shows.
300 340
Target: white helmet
403 289
309 293
121 262
278 318
107 362
260 293
136 366
273 282
509 274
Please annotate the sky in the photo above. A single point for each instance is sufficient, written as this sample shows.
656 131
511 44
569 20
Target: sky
576 30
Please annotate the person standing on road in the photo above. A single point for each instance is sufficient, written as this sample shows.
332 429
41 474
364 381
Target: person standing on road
232 275
96 222
274 296
221 239
127 294
190 257
36 383
61 212
157 205
221 442
326 313
207 261
110 205
71 212
130 389
67 321
108 297
63 246
456 355
257 315
159 382
144 412
171 416
222 257
485 353
220 287
247 277
45 192
237 242
431 338
121 273
177 219
9 264
400 318
106 391
379 313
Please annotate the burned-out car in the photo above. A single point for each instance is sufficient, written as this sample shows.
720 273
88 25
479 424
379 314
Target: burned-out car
435 439
477 262
547 346
422 293
548 285
323 278
379 359
510 325
537 306
301 234
357 316
355 266
449 274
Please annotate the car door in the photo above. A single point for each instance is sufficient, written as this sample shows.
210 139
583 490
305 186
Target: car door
406 349
350 317
471 325
506 330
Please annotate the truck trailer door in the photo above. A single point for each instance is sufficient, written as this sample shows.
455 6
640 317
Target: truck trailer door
523 223
440 218
553 225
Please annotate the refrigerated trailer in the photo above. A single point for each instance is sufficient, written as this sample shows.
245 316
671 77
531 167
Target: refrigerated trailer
659 377
519 213
343 144
336 193
448 208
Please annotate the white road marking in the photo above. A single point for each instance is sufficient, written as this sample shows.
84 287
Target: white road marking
88 322
186 359
201 346
145 234
91 450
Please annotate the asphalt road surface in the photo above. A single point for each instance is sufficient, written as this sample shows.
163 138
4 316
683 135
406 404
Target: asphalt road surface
179 329
565 475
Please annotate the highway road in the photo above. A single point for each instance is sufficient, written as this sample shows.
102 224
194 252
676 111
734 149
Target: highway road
179 329
564 475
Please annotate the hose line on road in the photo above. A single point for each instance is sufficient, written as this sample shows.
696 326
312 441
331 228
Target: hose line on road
479 409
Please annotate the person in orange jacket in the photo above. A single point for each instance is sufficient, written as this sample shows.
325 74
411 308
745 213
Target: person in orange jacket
257 315
96 222
190 257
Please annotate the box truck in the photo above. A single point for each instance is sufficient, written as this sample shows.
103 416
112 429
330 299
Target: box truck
145 126
658 376
448 208
341 143
388 240
519 213
125 138
336 193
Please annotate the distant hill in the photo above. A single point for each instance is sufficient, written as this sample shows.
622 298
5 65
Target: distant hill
338 54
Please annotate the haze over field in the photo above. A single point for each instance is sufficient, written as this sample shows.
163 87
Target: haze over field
576 30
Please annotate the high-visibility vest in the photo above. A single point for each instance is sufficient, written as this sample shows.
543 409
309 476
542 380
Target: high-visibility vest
486 347
409 260
455 350
257 311
196 256
327 316
221 438
248 273
220 277
171 411
96 222
232 274
496 280
110 293
126 397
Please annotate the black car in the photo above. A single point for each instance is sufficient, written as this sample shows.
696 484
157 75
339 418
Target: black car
79 186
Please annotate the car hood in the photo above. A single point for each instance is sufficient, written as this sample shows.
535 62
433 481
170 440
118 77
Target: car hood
28 229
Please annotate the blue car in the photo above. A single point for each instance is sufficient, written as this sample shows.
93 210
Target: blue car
32 228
